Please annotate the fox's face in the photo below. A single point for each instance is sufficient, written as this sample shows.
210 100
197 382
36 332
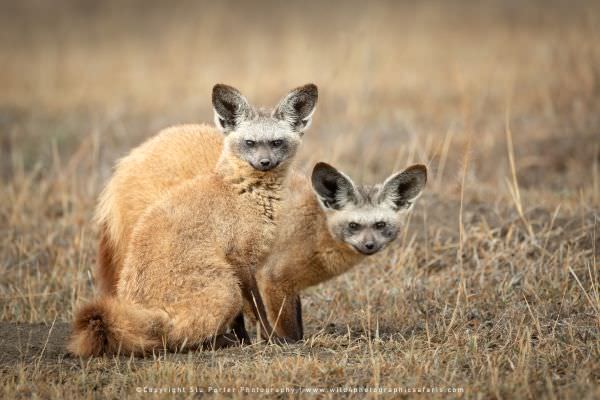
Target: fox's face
366 218
265 139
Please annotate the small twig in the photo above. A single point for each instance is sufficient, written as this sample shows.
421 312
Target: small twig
39 360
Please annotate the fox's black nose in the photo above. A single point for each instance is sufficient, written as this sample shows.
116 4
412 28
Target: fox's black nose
265 162
370 245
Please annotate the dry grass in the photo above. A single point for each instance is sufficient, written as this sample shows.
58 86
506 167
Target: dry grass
494 286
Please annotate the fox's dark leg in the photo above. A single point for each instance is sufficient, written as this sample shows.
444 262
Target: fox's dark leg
237 337
222 341
238 328
285 310
300 325
252 295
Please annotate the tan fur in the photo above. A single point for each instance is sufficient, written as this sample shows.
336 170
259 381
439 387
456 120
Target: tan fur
108 270
305 253
115 326
164 161
192 254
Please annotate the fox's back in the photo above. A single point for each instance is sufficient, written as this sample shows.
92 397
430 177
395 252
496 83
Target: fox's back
145 175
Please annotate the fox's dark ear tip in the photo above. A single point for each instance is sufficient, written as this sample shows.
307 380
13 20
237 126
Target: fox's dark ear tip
321 165
320 170
221 87
420 169
310 88
217 90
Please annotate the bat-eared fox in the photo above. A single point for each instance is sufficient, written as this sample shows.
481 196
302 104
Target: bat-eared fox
182 235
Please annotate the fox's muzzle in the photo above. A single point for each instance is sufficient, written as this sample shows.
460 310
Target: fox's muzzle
367 248
264 165
264 158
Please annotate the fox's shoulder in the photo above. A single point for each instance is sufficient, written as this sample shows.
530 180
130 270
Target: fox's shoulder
207 192
195 197
299 191
179 139
299 183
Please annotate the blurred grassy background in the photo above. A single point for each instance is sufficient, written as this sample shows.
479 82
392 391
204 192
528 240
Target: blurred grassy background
492 287
390 73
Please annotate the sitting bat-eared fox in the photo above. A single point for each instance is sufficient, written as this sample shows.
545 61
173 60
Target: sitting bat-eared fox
186 255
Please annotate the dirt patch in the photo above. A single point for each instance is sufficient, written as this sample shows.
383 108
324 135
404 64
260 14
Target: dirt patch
31 342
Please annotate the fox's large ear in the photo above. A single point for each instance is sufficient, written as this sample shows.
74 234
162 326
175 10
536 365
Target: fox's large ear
403 188
230 107
334 189
297 107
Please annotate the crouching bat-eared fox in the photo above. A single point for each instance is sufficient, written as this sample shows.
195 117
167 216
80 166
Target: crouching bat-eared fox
327 234
186 255
195 228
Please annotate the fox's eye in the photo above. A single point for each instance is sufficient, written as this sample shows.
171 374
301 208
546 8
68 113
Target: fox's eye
353 225
250 143
276 143
380 225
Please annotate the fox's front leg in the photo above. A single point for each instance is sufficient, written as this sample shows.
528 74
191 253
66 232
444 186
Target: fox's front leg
238 328
285 310
299 323
238 336
253 296
282 302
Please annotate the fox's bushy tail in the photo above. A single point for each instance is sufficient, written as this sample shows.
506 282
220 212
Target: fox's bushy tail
116 326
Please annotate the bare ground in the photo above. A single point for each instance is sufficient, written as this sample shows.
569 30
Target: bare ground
493 286
32 343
